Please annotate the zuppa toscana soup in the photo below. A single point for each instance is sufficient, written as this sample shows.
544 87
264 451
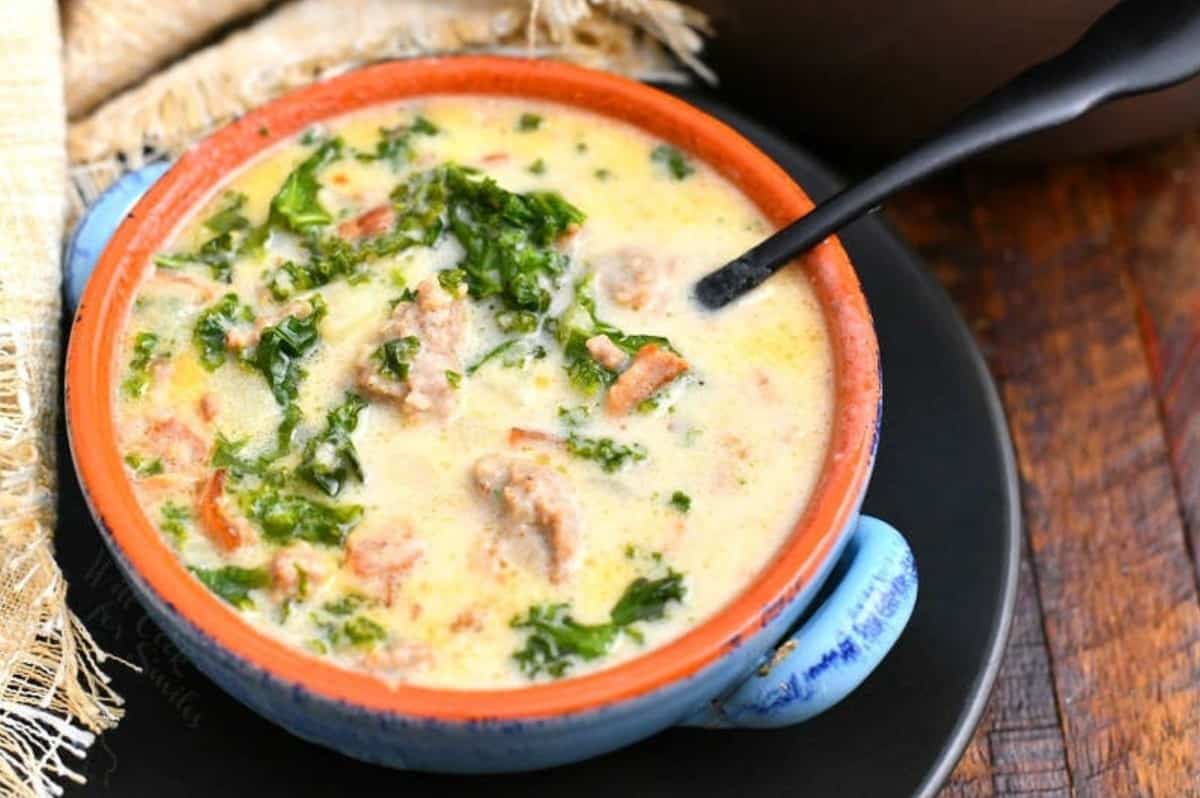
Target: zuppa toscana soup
424 392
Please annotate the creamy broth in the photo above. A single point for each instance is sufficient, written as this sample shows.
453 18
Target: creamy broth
444 523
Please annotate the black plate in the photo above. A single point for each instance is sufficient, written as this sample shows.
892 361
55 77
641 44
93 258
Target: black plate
945 476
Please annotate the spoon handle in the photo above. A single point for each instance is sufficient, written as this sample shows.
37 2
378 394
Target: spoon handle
1138 46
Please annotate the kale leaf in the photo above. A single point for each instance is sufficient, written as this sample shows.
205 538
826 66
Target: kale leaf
330 458
646 599
233 583
610 455
395 144
232 237
280 348
556 641
579 322
212 326
295 206
393 358
284 517
144 346
511 354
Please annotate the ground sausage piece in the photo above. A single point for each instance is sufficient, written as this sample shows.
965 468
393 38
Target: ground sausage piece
537 502
635 278
653 367
297 569
399 658
382 555
176 444
606 353
227 530
370 223
438 321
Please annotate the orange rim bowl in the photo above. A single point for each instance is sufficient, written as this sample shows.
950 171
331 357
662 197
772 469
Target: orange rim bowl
90 375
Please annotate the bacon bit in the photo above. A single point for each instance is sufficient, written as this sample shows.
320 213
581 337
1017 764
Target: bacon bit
224 532
208 407
572 229
208 288
519 436
288 564
469 620
371 223
606 353
339 179
493 158
653 367
736 445
176 444
399 658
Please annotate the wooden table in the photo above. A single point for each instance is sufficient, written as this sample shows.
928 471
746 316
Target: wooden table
1082 283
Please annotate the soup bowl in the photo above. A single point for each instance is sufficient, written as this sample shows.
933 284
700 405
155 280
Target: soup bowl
749 665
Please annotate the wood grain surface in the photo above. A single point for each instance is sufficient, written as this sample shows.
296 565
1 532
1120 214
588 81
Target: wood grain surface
1082 283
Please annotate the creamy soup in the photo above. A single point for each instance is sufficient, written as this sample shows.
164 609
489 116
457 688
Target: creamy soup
424 393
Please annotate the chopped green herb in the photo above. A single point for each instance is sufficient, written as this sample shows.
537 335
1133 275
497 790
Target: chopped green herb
363 632
230 217
610 455
574 417
232 237
538 167
556 640
602 174
317 647
397 279
346 605
174 519
513 353
142 467
454 379
507 238
675 161
420 203
393 357
452 280
144 345
280 348
646 599
528 122
395 144
296 207
681 501
330 458
213 325
233 583
581 147
284 517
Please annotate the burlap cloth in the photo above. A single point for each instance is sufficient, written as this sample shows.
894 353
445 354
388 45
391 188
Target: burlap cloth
130 81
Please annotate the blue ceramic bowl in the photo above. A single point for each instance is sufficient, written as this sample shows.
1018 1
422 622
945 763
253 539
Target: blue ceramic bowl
850 578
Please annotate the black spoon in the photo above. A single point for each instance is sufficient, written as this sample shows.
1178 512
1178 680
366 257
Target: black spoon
1138 46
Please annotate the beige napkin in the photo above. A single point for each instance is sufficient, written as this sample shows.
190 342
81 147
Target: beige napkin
53 696
306 40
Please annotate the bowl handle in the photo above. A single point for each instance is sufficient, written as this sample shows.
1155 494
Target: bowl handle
867 601
98 224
